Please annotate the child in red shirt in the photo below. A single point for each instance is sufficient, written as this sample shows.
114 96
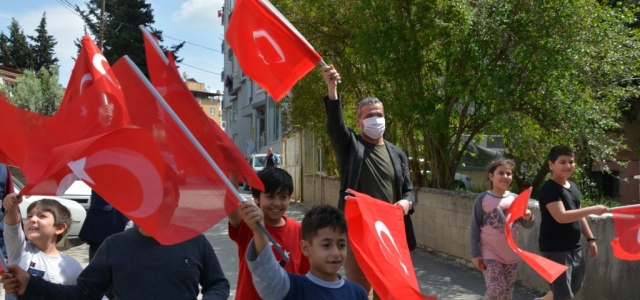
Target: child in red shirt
274 202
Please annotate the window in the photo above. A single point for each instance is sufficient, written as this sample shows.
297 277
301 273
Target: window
262 127
234 111
276 124
495 142
212 111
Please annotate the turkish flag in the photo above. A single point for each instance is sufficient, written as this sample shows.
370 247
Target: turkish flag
167 81
15 125
90 65
378 241
194 192
97 110
626 223
268 48
549 270
92 105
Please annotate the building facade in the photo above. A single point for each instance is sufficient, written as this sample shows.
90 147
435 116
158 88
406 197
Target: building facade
8 76
210 102
252 118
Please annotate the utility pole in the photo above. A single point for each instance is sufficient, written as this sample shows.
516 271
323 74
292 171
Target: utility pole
102 25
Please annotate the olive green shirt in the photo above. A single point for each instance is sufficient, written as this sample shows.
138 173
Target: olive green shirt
377 174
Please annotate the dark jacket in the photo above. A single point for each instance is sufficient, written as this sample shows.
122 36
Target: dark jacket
350 153
6 187
102 221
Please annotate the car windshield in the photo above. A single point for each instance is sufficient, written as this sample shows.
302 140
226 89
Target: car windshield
257 162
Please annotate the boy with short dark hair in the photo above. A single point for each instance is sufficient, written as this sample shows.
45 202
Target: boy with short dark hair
562 221
324 240
32 246
273 203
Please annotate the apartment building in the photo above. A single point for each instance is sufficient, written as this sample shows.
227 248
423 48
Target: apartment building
251 117
211 102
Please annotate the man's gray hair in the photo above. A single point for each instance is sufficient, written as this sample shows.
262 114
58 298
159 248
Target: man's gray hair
366 101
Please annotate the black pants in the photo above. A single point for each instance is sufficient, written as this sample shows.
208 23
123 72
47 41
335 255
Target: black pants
93 247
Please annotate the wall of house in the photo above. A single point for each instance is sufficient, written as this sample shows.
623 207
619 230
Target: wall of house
442 218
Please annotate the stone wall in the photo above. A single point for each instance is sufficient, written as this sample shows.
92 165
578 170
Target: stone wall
441 221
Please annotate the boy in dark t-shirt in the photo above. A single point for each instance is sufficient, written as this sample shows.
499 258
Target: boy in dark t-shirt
562 221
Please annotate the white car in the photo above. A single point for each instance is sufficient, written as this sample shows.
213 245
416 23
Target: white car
79 192
78 214
255 161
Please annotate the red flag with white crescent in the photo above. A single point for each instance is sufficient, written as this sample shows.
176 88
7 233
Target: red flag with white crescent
268 48
194 193
626 224
378 241
167 81
90 65
92 105
549 270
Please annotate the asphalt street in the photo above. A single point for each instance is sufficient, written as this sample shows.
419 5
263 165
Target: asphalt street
437 275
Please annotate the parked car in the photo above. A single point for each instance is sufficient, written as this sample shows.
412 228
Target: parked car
461 182
78 214
79 192
256 162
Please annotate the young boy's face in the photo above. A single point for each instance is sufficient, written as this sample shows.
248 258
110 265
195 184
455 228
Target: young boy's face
273 206
39 226
326 253
563 167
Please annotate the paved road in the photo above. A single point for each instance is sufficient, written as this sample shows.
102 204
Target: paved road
437 275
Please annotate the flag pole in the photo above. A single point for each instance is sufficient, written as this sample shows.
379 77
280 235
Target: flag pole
203 152
324 64
626 206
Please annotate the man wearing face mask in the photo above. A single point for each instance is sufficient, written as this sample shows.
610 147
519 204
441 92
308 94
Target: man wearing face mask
368 163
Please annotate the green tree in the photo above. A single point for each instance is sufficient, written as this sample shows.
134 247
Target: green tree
121 33
38 92
4 46
538 73
16 52
43 52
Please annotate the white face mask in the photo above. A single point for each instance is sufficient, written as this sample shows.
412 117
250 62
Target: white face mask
373 127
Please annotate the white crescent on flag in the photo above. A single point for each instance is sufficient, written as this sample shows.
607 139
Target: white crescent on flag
264 34
150 181
85 77
382 228
97 64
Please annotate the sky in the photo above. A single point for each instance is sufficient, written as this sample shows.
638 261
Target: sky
193 21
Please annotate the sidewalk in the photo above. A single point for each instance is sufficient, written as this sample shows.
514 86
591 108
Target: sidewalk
437 275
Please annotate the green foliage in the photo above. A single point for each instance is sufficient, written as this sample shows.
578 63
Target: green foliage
539 73
121 33
37 92
16 52
43 53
